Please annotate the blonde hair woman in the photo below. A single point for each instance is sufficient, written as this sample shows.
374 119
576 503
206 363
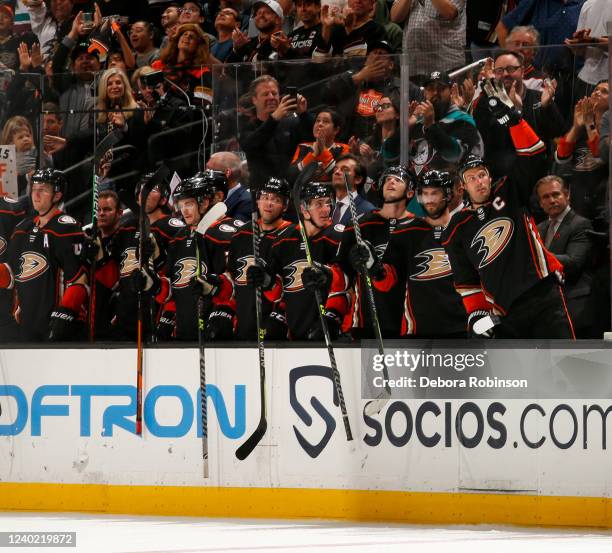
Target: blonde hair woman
115 93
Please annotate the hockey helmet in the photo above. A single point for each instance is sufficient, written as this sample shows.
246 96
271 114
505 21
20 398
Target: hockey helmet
471 161
313 190
197 187
399 172
162 187
275 186
217 181
436 179
55 178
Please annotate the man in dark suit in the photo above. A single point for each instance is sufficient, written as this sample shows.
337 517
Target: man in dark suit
564 234
238 199
357 176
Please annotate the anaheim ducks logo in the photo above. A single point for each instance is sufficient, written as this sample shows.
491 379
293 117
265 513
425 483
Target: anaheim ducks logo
3 245
293 279
492 239
434 264
185 270
241 270
129 263
32 265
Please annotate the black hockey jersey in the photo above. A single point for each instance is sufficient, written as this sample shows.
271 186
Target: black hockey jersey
288 260
11 213
44 261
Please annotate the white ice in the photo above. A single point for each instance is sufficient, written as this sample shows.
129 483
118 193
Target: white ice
131 534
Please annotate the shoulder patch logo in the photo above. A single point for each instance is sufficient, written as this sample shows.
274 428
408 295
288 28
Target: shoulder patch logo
177 223
239 223
339 228
434 264
492 239
31 266
227 228
9 200
66 220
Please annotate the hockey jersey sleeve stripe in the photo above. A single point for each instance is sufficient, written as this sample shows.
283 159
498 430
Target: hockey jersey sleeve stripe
525 140
408 319
450 236
474 301
216 240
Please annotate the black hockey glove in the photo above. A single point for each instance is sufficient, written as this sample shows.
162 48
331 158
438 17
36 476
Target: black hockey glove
318 276
145 280
63 325
334 325
220 325
92 250
499 103
481 324
364 256
259 276
207 285
276 326
166 326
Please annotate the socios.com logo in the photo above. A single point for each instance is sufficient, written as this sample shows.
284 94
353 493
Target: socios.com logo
121 412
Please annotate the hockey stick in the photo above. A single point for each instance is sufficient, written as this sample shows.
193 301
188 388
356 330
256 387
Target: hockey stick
249 445
143 234
375 406
304 177
105 144
213 214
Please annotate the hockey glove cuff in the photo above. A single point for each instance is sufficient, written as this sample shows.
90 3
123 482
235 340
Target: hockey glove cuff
63 325
318 276
166 326
220 325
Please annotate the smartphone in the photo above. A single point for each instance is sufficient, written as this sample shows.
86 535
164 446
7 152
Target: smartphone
292 91
87 19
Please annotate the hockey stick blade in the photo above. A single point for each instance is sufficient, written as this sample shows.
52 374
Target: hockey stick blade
106 144
215 212
247 447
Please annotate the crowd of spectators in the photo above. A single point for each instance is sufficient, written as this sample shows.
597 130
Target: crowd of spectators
263 89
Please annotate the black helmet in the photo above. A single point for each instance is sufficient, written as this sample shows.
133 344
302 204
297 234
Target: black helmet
399 172
162 187
197 187
437 179
55 178
471 161
216 180
313 190
275 186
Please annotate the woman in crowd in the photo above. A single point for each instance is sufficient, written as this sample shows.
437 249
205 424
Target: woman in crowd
324 150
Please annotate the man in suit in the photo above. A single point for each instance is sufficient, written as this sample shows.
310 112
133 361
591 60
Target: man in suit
357 175
564 234
238 199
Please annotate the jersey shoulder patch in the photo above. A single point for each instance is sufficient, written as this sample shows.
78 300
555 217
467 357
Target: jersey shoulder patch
238 223
9 200
224 227
339 228
66 220
176 223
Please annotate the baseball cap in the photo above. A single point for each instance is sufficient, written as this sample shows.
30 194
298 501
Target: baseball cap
380 45
273 5
438 77
82 47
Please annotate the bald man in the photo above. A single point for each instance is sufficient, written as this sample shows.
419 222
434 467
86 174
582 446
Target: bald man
238 199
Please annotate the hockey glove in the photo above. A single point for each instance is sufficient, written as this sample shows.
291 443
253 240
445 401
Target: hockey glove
318 276
63 325
334 325
220 325
276 326
207 285
259 276
364 256
499 103
481 324
145 280
92 250
166 326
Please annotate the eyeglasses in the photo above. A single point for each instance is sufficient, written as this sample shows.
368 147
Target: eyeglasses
471 179
381 107
510 69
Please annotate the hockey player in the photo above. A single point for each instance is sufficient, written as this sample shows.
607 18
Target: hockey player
11 213
416 260
272 202
296 278
124 251
188 267
397 189
43 264
499 262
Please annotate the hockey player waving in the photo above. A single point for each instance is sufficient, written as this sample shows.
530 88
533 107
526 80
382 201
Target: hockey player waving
500 265
43 263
